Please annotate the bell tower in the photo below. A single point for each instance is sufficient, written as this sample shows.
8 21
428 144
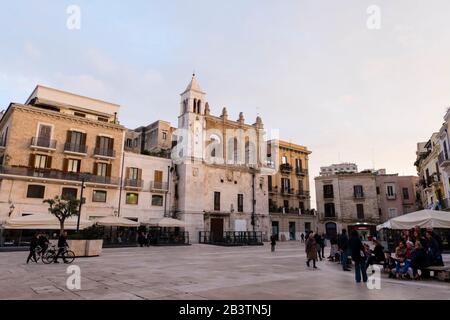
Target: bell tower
191 120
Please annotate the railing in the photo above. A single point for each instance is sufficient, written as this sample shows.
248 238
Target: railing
105 152
160 186
232 238
329 215
301 171
358 195
303 193
285 167
391 196
133 183
287 191
43 143
78 148
58 175
168 238
328 195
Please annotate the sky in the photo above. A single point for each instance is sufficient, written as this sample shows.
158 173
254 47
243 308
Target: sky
310 68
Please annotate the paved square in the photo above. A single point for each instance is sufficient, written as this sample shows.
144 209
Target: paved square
201 272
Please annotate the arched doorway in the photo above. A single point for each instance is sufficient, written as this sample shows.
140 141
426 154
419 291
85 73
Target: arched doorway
330 230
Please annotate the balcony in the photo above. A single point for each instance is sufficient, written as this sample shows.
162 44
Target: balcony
303 194
358 195
301 172
43 143
75 148
287 191
103 152
133 183
285 168
156 186
443 159
57 175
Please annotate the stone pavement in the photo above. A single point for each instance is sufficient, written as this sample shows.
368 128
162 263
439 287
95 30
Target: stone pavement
201 272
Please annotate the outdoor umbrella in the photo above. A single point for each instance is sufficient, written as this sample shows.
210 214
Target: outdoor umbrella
422 218
44 221
166 222
113 221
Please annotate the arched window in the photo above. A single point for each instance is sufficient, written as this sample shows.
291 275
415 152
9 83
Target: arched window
199 102
195 106
184 106
330 230
215 140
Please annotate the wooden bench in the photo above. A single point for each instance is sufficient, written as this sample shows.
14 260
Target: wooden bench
442 273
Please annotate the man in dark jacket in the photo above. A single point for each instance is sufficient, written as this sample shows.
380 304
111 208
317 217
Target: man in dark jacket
33 245
62 244
317 238
43 243
343 247
357 253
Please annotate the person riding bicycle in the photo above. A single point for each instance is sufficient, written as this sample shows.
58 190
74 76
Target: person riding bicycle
62 244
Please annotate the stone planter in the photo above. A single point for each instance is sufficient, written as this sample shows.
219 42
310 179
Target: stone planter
86 248
93 248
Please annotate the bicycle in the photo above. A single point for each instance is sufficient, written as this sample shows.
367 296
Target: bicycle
38 253
68 256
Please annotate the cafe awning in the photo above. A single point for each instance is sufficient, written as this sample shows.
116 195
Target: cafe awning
165 222
421 218
113 221
44 222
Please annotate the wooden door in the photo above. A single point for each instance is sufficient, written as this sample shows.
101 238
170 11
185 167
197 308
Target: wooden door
216 229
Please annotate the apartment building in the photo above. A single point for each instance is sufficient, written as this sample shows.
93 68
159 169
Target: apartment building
444 160
51 144
339 168
154 139
146 183
397 195
430 186
347 201
289 191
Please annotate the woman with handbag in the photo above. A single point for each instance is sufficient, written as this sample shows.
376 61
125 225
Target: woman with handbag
358 256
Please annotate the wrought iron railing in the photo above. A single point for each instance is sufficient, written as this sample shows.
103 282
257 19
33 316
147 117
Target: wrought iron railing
104 152
160 186
58 175
43 142
232 238
73 147
134 183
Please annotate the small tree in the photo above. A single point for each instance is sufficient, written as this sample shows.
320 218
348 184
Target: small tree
62 209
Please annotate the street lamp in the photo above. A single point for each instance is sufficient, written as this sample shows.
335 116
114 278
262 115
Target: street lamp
81 203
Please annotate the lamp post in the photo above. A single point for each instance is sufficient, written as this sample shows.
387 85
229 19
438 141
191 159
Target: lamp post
167 194
81 203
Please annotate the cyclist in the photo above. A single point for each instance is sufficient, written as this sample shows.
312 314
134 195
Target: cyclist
33 245
62 244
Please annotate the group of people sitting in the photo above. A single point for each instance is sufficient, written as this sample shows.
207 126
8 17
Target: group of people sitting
416 250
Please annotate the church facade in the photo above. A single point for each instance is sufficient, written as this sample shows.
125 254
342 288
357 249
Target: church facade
220 170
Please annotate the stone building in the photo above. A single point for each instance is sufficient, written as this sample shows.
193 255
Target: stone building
344 167
430 186
444 161
347 200
220 183
154 139
52 142
289 191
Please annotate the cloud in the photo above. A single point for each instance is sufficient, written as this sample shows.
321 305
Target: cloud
31 51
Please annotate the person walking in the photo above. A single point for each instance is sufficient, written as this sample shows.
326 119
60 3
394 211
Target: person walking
317 239
358 255
343 247
43 242
311 250
33 245
62 244
273 242
322 245
302 236
141 239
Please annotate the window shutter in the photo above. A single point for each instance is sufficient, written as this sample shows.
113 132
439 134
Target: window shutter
65 165
95 169
108 170
127 173
111 143
139 174
97 142
79 166
48 163
83 139
69 137
31 162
